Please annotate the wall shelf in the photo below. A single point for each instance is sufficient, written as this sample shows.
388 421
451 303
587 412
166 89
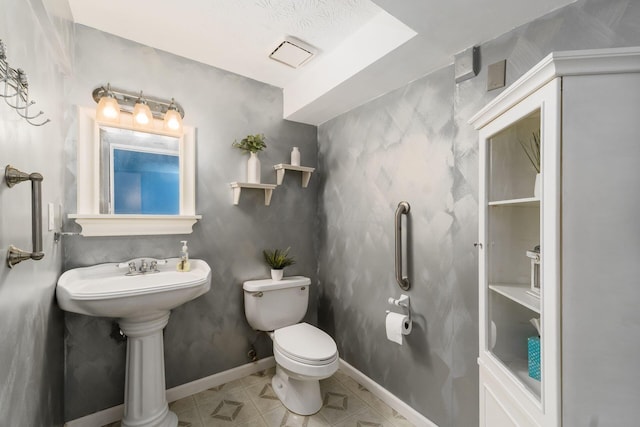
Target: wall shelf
238 186
282 167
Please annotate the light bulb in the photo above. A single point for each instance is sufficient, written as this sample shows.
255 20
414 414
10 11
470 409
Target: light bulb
142 118
142 114
108 109
173 120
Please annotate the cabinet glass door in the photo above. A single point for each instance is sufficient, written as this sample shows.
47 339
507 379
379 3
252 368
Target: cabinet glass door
513 240
519 265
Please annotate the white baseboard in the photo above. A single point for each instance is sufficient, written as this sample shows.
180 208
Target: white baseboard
383 394
116 413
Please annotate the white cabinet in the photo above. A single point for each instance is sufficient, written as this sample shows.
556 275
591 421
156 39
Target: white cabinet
513 221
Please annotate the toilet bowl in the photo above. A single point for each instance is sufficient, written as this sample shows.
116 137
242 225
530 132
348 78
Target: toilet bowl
304 354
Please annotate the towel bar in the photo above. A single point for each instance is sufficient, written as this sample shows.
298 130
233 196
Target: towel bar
13 176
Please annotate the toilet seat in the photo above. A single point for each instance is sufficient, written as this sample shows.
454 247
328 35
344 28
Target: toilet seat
305 344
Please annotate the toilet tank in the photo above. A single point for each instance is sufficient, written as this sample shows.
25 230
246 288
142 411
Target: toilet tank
271 305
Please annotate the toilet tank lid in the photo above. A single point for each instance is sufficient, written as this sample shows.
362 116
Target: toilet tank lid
271 285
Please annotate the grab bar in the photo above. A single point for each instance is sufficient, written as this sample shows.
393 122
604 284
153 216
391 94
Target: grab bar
13 176
403 281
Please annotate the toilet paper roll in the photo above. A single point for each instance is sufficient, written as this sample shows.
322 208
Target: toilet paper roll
397 325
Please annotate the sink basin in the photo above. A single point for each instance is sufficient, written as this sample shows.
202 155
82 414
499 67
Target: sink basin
104 290
142 304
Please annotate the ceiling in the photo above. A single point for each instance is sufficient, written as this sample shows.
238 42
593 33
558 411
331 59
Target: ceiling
356 42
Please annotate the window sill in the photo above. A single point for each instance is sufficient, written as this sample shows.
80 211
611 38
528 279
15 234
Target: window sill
135 225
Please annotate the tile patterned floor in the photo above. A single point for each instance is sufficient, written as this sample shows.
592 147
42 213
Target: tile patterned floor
251 402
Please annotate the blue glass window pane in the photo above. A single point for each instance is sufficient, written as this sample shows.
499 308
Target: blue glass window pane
145 183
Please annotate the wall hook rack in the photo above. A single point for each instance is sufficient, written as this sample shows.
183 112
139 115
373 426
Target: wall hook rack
13 176
16 91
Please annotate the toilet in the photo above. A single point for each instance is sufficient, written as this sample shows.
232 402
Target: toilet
304 354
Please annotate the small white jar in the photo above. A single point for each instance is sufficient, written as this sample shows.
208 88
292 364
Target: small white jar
295 157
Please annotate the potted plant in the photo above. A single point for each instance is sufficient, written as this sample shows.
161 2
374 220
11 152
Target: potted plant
278 259
532 150
252 144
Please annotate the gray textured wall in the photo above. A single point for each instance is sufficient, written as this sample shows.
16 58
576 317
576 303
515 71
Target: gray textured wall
415 144
31 326
210 334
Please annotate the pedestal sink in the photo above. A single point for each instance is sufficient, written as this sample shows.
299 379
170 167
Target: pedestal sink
141 302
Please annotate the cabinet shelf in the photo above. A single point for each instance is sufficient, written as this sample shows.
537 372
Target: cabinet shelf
238 186
282 167
518 294
526 201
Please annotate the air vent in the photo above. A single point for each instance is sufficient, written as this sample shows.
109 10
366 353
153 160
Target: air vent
291 54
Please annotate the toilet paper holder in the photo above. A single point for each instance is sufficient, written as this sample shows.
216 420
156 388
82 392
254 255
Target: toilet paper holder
403 302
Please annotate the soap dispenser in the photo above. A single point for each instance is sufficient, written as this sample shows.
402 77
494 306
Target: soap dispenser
184 264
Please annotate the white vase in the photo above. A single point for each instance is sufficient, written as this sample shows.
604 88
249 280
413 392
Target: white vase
295 157
276 275
537 186
253 169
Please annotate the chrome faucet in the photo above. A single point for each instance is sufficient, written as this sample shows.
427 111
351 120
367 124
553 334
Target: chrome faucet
145 267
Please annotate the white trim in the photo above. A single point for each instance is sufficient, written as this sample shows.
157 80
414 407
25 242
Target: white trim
116 413
557 64
100 418
383 394
134 225
220 378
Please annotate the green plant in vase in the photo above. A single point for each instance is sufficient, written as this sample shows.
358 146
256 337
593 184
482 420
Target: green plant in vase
278 259
252 144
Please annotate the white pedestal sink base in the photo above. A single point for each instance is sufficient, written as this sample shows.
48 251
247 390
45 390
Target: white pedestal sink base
145 401
142 304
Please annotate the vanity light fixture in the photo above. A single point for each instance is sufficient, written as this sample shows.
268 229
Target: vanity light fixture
112 101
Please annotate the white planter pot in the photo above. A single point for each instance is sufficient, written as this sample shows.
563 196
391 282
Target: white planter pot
276 275
253 169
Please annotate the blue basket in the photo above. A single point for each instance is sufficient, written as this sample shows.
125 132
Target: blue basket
533 346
